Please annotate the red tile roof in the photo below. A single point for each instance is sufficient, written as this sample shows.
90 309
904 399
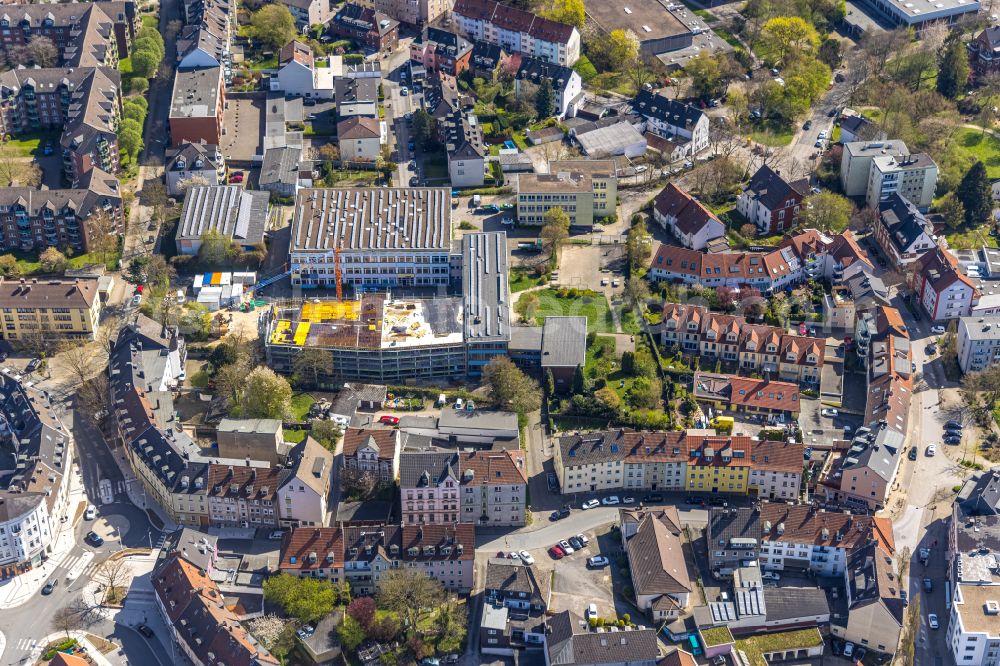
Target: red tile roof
385 439
726 451
488 467
691 216
780 456
299 544
764 394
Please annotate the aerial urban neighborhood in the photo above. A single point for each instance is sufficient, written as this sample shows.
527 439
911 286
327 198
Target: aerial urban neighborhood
534 332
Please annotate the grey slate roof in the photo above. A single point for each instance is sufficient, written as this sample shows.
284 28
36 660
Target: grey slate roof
772 190
249 425
525 338
866 289
422 470
569 644
670 111
564 342
656 560
903 222
507 577
738 523
281 166
229 209
13 505
591 448
787 603
980 496
879 453
872 579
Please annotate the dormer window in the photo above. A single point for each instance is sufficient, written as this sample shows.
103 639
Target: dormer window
181 163
771 349
710 335
692 326
791 357
752 346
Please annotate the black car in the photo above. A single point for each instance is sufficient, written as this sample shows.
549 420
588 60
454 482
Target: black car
94 539
928 585
560 514
953 439
912 455
808 125
50 586
144 630
953 425
697 501
653 498
576 543
718 501
3 356
953 432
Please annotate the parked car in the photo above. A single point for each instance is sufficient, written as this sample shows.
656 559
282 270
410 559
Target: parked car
611 501
50 586
829 412
33 365
94 539
808 125
932 621
848 649
931 451
953 425
937 330
591 611
771 575
90 513
526 557
560 514
953 439
556 553
653 498
144 630
236 177
583 539
590 504
628 500
276 535
136 300
566 548
597 561
718 501
576 543
389 420
928 585
696 501
912 455
306 631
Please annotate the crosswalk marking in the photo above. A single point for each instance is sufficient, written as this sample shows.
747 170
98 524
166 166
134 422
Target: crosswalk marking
121 486
25 643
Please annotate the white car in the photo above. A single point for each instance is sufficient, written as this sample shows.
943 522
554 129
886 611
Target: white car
507 221
90 513
136 300
642 168
932 621
611 501
848 649
590 504
584 540
770 575
931 450
937 330
342 421
628 500
568 549
829 412
822 134
597 561
591 611
276 535
526 557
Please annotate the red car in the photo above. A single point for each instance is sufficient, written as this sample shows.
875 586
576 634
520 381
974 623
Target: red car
389 420
236 177
557 553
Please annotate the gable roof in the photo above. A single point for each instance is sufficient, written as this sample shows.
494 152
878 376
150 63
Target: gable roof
309 548
670 111
358 127
569 644
939 267
903 223
690 215
656 559
383 439
510 577
768 187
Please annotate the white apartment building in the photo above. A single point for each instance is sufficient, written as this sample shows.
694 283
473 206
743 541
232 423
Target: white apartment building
381 237
978 343
679 122
856 163
974 626
25 531
912 176
517 31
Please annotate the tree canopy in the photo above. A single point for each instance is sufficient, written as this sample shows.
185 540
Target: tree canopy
976 195
266 395
273 25
510 388
827 211
307 599
567 11
785 37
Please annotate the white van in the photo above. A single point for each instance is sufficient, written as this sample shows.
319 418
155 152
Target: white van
458 403
442 400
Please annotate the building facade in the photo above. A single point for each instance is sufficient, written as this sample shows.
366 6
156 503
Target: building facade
686 218
978 343
940 286
771 203
34 310
517 31
585 190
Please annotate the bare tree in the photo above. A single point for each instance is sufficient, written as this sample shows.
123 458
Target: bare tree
113 573
81 359
102 234
311 364
65 620
43 51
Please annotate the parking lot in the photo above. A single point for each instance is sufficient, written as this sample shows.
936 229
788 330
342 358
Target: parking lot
587 266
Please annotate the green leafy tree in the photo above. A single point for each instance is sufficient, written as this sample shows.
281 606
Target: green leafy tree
351 633
579 381
645 393
307 599
550 383
544 99
8 265
216 248
567 11
555 231
266 396
827 211
130 138
273 25
423 127
150 43
705 71
326 434
953 70
510 388
952 210
830 52
976 195
787 37
145 62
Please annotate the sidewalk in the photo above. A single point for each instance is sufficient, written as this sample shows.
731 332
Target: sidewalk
18 590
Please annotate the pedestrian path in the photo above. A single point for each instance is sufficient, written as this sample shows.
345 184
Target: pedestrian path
80 565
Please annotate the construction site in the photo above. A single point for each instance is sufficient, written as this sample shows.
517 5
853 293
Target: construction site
374 338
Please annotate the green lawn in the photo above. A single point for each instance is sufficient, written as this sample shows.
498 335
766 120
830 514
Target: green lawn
26 145
612 82
983 147
774 136
970 239
266 63
592 305
28 264
630 323
521 280
301 402
835 137
293 435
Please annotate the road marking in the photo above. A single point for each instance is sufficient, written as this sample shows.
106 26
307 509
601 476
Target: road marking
80 566
107 491
25 643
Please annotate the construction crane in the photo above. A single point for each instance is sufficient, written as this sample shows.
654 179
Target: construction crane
337 273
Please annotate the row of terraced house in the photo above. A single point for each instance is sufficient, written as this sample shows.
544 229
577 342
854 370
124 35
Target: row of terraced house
698 461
